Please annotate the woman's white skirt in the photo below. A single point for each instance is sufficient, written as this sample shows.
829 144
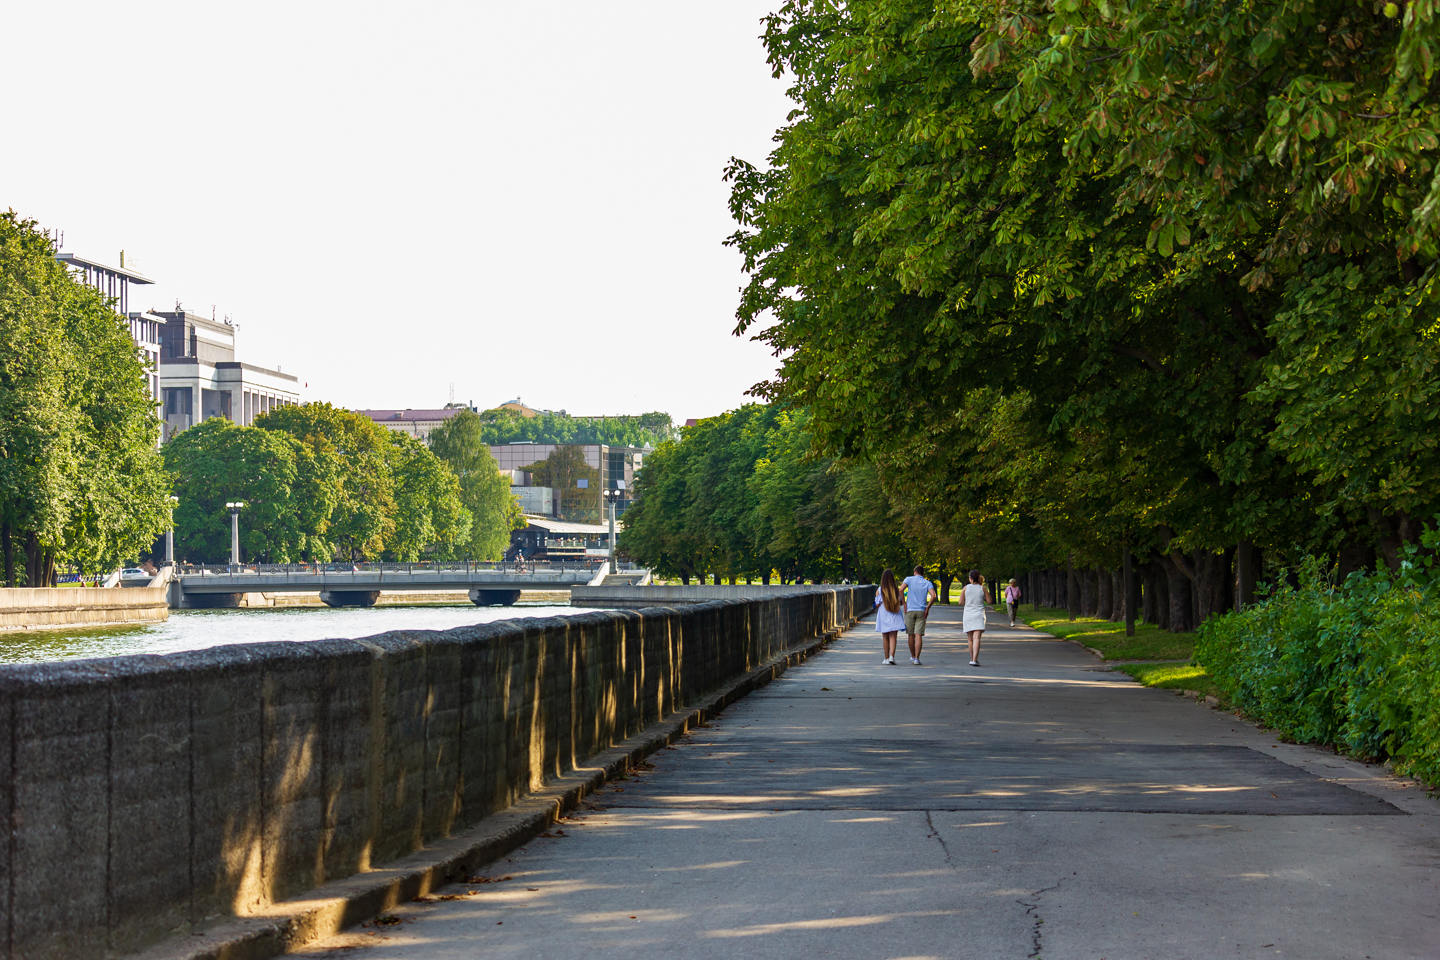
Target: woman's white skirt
887 622
974 619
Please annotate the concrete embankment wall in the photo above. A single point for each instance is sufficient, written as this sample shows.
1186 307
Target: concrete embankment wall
24 607
630 597
148 797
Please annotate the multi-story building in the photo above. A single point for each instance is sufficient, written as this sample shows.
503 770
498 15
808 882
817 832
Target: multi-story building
417 423
200 377
114 282
571 484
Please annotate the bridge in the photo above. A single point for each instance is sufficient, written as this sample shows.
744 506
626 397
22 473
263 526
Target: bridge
359 585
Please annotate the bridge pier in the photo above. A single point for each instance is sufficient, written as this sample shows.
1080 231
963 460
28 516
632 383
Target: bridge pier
204 601
489 597
349 598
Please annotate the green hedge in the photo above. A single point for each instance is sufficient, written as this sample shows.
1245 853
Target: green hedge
1355 666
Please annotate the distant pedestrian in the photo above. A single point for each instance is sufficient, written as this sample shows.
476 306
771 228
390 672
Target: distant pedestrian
919 595
1012 599
889 614
977 595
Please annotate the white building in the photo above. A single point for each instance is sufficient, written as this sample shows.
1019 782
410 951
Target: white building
200 377
417 423
114 282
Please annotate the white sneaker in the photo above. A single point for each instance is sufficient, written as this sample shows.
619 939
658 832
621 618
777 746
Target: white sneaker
915 660
889 660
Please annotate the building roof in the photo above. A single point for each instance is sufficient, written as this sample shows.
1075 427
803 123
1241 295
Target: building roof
561 526
380 416
128 274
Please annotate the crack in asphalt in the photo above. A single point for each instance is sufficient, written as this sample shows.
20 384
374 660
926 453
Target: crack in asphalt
935 835
1032 910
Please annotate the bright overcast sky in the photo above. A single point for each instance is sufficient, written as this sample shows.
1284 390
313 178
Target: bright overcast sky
516 199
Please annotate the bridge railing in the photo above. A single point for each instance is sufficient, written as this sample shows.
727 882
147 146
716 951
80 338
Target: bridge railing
422 568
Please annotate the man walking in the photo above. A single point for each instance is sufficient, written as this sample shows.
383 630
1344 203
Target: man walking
919 595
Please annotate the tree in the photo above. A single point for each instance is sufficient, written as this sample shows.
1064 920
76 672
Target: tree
351 454
509 426
1133 234
287 509
80 476
484 490
430 518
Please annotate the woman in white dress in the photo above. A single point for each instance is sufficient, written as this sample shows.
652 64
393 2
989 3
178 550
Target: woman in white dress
977 595
889 614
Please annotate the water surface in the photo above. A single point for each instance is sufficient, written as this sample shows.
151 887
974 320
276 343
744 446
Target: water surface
198 629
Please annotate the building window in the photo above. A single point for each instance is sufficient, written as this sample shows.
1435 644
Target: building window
178 401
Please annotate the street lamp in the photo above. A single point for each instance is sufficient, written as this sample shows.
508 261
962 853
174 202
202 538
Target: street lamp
610 497
170 534
234 506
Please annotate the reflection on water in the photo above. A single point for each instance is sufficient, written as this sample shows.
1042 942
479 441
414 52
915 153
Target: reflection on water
197 629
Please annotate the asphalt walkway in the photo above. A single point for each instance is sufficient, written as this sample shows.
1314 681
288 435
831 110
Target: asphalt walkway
1036 806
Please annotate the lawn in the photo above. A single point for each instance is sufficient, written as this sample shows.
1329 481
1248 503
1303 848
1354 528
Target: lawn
1172 676
1108 636
1168 655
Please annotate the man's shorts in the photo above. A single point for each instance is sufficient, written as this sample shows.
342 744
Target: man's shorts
915 622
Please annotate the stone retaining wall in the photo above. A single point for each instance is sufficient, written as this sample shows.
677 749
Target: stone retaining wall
628 596
150 796
24 607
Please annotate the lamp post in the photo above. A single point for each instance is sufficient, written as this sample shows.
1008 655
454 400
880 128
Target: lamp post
235 506
170 534
610 497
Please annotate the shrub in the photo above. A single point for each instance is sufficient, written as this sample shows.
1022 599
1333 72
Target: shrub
1356 666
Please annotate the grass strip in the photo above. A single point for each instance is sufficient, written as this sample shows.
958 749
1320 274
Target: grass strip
1108 636
1173 676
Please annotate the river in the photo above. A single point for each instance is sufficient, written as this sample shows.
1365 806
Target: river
198 629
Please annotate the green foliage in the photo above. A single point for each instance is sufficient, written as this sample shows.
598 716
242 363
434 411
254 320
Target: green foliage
317 482
352 457
1093 274
430 520
508 426
484 491
81 480
287 512
742 495
1356 665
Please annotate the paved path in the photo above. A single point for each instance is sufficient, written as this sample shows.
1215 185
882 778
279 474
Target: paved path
1038 806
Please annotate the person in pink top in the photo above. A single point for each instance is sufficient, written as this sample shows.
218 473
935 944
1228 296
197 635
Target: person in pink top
1012 599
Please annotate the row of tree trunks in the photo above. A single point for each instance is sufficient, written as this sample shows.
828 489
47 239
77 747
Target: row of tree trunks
1176 591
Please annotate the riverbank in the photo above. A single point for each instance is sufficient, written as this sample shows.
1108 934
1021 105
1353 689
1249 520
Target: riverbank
49 608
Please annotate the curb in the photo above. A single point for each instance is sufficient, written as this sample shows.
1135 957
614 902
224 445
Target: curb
334 906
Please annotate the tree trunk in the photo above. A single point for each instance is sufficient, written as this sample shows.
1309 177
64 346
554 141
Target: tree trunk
1213 584
1395 531
32 560
1244 574
1072 591
1132 594
1181 597
7 542
1157 597
1105 596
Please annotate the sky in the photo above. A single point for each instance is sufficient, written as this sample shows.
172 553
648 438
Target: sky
405 203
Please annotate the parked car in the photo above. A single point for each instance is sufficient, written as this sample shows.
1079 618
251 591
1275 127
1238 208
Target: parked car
135 574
